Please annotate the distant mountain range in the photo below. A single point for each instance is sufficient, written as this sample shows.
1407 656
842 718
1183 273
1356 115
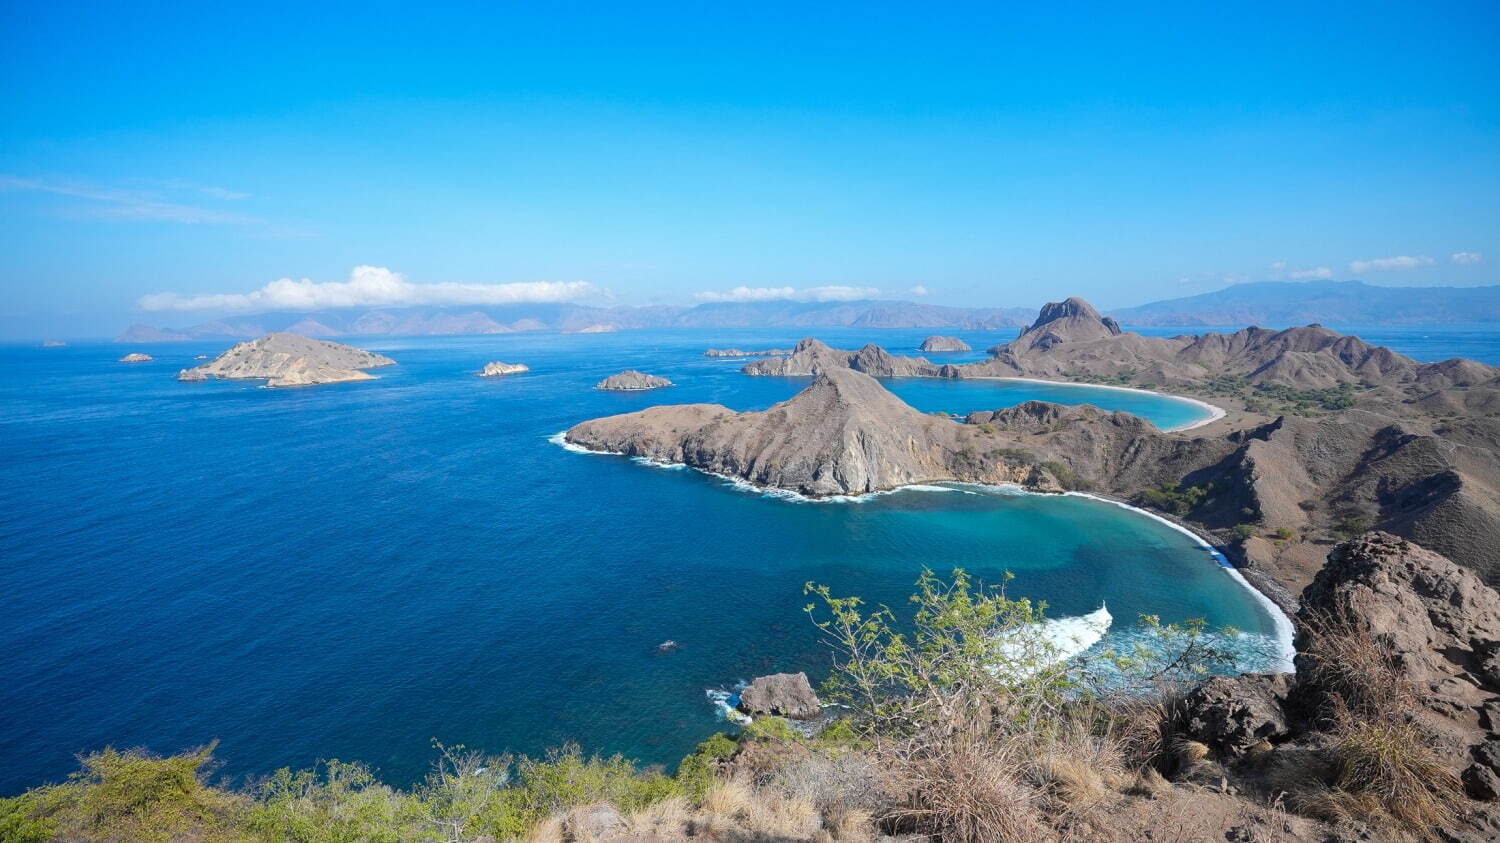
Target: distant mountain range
1268 303
1283 304
580 318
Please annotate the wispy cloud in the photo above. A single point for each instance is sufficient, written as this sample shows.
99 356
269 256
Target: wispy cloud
120 204
369 286
1317 273
1467 258
1396 262
825 293
1281 270
919 290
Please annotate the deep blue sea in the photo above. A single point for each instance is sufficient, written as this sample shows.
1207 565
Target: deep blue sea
353 570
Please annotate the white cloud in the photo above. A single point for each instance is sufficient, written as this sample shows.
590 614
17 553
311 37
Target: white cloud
369 286
1317 273
919 290
833 292
1397 262
1278 266
1467 258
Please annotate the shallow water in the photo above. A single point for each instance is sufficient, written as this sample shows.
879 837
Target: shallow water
352 570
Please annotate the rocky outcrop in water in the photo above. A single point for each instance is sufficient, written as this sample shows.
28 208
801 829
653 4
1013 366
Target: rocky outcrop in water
498 369
787 695
136 357
630 380
283 359
941 343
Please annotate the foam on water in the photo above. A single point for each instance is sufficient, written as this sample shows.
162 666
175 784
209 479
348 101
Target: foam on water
726 704
1071 636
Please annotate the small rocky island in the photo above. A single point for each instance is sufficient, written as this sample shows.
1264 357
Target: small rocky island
781 695
136 357
630 381
498 369
941 343
594 329
283 359
54 344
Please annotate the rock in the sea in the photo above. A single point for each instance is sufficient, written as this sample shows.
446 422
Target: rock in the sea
630 379
498 369
782 695
137 357
284 359
941 343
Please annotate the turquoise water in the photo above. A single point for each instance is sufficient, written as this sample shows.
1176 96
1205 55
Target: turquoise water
352 570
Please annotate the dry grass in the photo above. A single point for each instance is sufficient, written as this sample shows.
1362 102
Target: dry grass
666 819
549 830
1384 770
970 793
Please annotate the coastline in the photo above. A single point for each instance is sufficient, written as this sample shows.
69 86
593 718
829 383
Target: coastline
1215 412
1285 632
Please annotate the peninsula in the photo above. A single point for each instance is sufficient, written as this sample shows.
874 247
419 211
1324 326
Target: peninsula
284 359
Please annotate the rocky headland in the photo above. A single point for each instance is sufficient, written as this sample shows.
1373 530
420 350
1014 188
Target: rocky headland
136 357
497 369
632 381
284 359
936 343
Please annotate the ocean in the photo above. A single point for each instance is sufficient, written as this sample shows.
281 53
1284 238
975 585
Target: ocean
353 570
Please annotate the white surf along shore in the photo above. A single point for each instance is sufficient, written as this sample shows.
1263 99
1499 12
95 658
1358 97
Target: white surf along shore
1071 632
1214 412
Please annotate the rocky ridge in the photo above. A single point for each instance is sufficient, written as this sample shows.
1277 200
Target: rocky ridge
283 359
811 357
843 434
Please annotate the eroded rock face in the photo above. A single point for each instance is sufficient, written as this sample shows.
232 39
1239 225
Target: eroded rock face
782 695
284 359
630 379
941 343
1437 620
498 369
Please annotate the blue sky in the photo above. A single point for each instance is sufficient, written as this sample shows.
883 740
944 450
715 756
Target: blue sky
641 153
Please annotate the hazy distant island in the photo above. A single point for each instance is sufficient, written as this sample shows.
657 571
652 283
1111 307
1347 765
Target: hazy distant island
594 329
283 359
1262 303
936 343
631 380
54 344
498 369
